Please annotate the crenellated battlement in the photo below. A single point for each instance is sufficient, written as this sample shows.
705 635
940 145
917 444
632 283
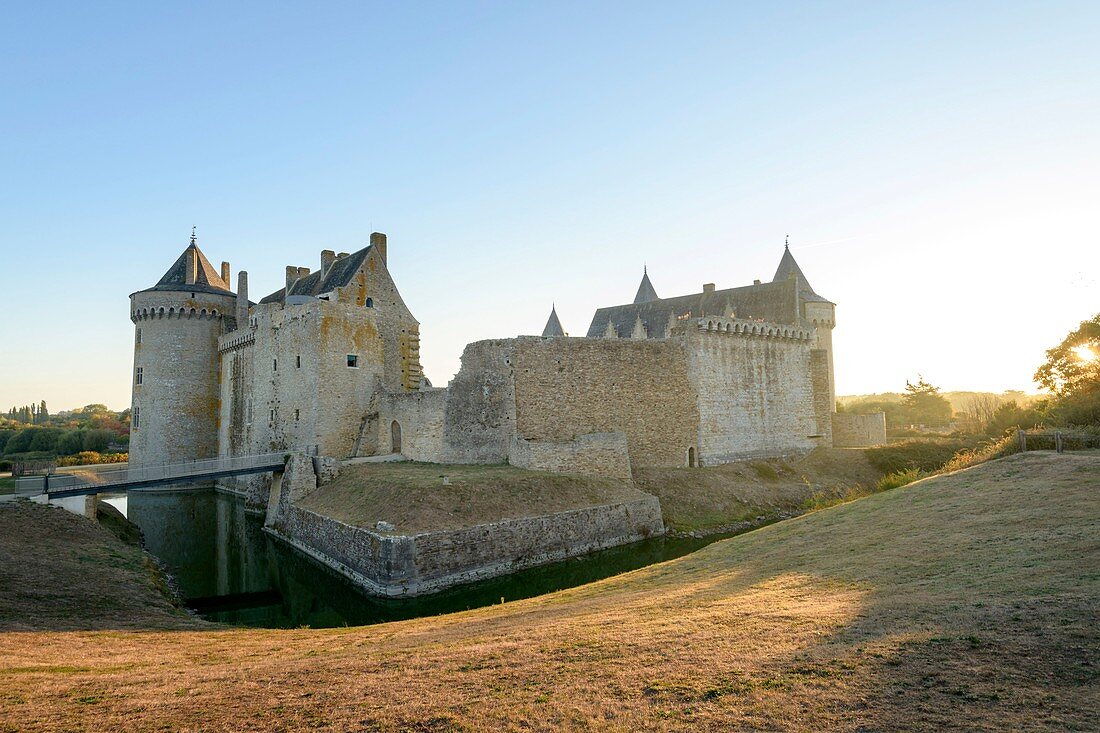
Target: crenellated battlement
146 314
745 327
236 340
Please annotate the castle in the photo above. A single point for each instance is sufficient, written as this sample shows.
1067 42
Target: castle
330 364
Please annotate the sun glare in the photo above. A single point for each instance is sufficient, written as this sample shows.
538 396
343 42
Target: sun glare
1084 352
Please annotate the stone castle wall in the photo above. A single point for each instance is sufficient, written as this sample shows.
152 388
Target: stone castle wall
859 431
409 565
595 454
755 393
567 387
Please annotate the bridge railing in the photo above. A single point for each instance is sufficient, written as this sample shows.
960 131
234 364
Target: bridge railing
122 477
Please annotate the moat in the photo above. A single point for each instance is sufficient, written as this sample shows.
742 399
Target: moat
229 570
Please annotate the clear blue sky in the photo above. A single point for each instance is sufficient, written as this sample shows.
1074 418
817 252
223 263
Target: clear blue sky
937 168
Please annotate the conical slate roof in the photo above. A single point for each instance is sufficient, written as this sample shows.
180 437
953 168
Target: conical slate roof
553 325
646 292
787 269
207 278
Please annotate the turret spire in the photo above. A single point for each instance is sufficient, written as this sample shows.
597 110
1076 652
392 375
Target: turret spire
553 325
646 293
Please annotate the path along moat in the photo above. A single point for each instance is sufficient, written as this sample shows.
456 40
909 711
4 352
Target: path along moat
229 570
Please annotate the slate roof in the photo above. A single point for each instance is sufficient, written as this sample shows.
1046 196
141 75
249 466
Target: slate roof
646 292
553 325
789 268
337 275
207 279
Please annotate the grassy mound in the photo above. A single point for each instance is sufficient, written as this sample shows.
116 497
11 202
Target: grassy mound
413 497
703 499
964 601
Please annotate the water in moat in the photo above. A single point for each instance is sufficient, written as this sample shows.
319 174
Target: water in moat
229 570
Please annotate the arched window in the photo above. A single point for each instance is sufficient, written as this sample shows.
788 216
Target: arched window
691 457
370 302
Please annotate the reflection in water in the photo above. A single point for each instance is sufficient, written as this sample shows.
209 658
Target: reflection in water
231 571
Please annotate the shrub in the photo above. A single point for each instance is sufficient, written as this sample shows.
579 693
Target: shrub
97 440
20 442
899 478
924 455
45 440
1006 446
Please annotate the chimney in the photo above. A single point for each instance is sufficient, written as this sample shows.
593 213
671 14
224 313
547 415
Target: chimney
708 287
755 282
291 275
302 272
242 299
342 255
327 258
378 241
225 273
192 266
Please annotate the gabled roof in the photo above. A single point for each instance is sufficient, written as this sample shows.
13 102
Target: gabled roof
337 275
553 325
207 279
788 268
646 292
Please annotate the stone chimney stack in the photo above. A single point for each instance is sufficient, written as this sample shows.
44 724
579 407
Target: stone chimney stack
302 272
225 273
242 299
291 275
192 273
341 255
708 287
378 241
327 258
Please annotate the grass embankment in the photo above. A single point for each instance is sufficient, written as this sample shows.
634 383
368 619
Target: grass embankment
710 498
966 601
61 571
413 497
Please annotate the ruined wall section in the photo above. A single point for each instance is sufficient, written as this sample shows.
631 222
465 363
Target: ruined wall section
479 419
755 389
419 417
859 431
177 402
594 454
567 387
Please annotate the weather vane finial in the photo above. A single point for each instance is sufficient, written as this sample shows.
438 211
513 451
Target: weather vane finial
192 234
787 242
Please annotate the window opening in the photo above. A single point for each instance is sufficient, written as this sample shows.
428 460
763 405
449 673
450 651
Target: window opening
353 361
137 375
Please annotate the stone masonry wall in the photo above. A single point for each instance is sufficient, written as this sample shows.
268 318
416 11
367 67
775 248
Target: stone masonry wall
859 431
566 387
178 399
595 454
755 394
479 419
399 565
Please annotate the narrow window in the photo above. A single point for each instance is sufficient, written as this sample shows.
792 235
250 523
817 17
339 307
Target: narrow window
272 416
298 361
274 365
134 419
137 337
370 302
137 375
296 415
353 361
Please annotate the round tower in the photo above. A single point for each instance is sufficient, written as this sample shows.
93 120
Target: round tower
177 323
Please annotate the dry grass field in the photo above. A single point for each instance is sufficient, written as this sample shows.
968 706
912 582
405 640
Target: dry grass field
966 601
413 497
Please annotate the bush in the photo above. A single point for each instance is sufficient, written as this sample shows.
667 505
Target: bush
899 478
924 455
45 439
91 458
20 442
98 440
72 441
1079 409
1006 446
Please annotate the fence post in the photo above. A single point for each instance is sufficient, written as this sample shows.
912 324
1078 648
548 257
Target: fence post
1023 441
1058 441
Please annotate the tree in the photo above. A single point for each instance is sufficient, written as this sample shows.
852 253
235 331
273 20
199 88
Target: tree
43 413
1073 366
925 405
1010 416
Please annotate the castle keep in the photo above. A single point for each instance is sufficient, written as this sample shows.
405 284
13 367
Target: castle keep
329 364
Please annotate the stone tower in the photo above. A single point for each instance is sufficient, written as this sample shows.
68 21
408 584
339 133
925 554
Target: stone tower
821 313
175 379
